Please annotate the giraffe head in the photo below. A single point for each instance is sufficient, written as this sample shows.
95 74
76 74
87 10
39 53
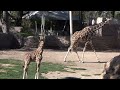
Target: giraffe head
107 20
41 44
41 40
42 37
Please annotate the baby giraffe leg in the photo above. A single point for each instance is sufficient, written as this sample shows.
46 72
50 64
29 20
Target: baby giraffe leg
37 70
25 69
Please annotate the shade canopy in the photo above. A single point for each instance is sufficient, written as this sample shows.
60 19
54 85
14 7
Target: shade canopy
55 15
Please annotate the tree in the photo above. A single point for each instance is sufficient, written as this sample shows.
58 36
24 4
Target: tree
113 13
81 19
5 22
17 16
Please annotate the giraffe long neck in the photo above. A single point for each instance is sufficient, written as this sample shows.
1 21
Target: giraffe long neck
41 45
100 25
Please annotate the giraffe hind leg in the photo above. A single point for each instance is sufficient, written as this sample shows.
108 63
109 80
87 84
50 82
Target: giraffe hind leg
84 51
25 73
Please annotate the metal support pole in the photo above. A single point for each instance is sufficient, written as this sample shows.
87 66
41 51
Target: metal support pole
42 24
71 25
35 27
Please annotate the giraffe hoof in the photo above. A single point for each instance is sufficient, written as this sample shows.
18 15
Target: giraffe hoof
81 61
98 61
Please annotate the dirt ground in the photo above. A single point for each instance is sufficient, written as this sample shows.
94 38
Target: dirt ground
91 68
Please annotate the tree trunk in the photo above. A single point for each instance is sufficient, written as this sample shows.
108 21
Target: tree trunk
113 14
81 19
5 22
19 19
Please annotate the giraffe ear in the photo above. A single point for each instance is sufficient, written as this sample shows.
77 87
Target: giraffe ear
108 19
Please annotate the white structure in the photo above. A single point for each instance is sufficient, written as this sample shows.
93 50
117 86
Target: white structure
93 22
71 26
99 20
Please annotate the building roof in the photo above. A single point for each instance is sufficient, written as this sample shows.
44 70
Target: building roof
55 15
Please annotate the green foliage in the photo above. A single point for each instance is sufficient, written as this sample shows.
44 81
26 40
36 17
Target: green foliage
0 14
26 23
117 14
15 14
25 34
16 71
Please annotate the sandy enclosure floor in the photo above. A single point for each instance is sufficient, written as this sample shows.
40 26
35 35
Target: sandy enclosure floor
93 69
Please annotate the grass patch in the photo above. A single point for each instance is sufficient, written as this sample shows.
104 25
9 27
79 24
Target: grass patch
78 68
16 71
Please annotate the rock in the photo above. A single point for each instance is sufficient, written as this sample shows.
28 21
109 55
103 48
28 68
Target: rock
112 69
31 42
20 39
56 42
16 29
8 41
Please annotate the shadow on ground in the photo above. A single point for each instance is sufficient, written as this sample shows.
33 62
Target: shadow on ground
95 62
71 78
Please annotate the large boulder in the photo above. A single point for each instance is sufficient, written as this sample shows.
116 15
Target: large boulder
19 38
31 42
56 42
112 69
8 41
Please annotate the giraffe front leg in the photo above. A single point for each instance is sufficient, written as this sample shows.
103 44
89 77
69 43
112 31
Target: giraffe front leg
25 68
94 51
37 70
67 54
38 67
36 76
25 72
78 57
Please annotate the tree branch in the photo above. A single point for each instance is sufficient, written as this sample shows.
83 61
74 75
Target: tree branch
26 13
11 16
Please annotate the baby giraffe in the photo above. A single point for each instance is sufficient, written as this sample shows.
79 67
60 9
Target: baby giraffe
34 56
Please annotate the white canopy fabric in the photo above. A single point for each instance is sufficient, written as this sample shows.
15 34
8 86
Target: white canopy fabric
55 15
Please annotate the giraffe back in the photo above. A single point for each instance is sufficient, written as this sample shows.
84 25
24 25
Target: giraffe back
75 38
